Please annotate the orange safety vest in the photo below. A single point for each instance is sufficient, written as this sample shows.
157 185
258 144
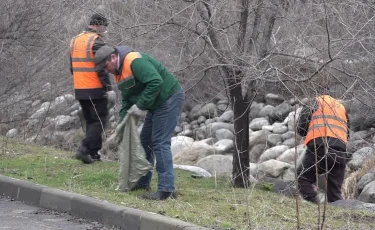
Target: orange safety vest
84 74
126 74
329 120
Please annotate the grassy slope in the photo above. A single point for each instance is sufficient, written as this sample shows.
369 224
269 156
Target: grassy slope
206 202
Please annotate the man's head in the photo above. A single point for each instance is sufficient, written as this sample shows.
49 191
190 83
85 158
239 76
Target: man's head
99 22
106 59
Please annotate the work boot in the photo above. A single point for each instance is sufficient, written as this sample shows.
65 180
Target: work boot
160 195
95 156
83 155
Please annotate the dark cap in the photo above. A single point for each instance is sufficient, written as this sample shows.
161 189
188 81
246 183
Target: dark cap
98 20
101 57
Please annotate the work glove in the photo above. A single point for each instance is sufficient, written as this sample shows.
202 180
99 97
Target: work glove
134 110
111 96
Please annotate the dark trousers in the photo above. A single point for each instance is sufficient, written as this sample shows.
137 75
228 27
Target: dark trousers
95 113
332 164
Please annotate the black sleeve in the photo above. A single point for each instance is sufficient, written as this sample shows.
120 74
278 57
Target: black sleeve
71 66
99 42
103 76
305 117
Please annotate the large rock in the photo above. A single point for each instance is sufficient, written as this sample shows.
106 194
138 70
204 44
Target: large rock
274 139
227 116
273 153
365 180
281 111
292 119
266 111
277 185
223 105
273 168
256 151
255 109
273 99
64 123
210 129
360 157
258 137
290 142
12 133
209 110
224 146
180 142
288 135
280 129
258 123
368 193
190 155
290 156
195 112
354 204
218 165
224 134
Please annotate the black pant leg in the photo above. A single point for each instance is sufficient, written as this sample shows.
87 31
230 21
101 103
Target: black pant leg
336 172
95 112
307 176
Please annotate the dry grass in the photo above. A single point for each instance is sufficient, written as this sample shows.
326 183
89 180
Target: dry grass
349 187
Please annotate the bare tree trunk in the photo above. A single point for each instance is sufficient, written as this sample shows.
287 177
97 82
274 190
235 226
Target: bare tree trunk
241 109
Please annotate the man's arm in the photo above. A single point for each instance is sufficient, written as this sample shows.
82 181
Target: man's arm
305 117
124 108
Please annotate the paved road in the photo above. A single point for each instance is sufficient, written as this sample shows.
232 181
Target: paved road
18 216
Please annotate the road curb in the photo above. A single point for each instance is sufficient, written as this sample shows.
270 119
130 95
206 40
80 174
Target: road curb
89 208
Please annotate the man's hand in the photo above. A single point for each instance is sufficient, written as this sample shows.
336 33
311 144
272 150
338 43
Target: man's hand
111 96
134 110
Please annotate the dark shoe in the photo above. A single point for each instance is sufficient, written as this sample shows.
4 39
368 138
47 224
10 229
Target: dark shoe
95 157
136 188
160 195
85 158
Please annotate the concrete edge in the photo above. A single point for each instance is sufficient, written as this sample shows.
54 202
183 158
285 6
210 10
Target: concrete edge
89 208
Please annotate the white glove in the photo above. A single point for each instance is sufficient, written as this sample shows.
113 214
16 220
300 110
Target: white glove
134 110
111 96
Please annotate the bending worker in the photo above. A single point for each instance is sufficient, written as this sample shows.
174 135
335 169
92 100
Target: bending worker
146 85
324 124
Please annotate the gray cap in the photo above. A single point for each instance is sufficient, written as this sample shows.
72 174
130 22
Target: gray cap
101 57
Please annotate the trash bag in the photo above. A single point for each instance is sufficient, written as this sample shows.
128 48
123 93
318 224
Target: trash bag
133 162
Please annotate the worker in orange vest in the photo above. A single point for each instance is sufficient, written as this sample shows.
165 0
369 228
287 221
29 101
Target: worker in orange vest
324 124
92 89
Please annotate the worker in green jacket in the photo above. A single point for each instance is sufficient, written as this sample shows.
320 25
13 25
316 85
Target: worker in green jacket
147 87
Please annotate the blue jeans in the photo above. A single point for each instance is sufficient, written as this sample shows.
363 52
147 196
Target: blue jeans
156 140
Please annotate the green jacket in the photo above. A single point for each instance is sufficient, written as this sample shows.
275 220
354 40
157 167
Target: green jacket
150 85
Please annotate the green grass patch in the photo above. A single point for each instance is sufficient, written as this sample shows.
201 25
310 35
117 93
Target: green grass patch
205 201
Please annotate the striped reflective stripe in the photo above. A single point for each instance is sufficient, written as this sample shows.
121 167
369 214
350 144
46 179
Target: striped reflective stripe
82 59
82 69
315 117
327 126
